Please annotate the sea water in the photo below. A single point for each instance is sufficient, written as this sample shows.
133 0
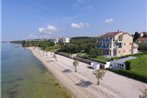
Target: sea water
23 75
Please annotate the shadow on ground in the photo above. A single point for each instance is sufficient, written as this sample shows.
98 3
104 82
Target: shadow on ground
66 71
84 83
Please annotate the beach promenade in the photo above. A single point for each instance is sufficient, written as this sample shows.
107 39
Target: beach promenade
83 83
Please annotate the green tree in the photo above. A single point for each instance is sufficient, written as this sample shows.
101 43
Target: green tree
42 44
92 53
79 45
95 52
99 75
75 64
136 36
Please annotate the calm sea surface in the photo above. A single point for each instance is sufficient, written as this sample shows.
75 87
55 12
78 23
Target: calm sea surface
23 76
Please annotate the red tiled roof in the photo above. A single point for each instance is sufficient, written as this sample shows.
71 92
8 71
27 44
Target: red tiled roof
142 39
110 34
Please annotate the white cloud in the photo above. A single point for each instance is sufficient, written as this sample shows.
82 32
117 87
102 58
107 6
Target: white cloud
79 25
110 20
75 25
49 30
41 29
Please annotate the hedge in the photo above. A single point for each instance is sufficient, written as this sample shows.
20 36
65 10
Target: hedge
64 54
100 61
128 65
130 74
83 60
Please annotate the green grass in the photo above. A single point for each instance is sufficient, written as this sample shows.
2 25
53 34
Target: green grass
139 65
101 59
138 69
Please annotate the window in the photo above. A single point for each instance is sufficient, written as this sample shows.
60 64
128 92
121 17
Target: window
119 45
122 65
120 39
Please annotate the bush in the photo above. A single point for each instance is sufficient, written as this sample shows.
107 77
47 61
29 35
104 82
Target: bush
93 53
85 56
128 65
98 60
82 60
64 54
143 46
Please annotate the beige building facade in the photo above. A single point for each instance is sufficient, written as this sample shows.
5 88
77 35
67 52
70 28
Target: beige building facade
116 44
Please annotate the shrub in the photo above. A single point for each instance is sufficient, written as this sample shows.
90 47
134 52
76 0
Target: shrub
142 46
128 65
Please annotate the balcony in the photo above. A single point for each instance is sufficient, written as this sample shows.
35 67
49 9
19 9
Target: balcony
104 47
103 40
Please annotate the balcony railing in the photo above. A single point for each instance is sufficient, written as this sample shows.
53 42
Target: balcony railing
104 40
103 46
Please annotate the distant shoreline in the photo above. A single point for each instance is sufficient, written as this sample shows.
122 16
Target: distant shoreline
4 42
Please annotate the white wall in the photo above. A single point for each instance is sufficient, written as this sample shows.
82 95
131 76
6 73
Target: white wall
95 65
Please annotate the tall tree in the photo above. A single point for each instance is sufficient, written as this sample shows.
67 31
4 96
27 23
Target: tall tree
136 36
75 64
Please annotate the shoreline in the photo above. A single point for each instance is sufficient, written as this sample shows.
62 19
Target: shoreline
76 92
72 93
71 79
25 76
68 93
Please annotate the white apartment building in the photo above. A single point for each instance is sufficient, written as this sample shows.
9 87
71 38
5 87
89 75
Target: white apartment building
62 40
116 44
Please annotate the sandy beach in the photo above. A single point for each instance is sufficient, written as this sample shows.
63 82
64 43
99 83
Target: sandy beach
83 84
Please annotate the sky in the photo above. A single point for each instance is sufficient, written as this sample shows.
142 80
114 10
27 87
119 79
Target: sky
29 19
